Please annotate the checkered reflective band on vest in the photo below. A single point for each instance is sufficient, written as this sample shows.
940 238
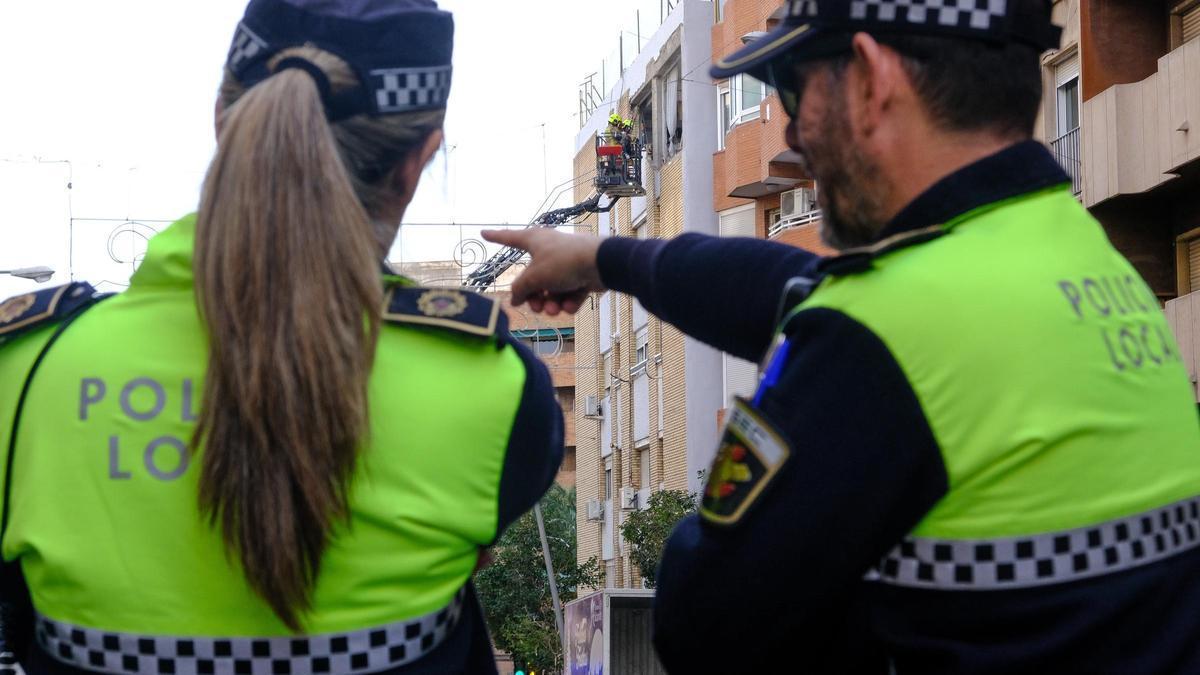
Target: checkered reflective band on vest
362 651
1043 559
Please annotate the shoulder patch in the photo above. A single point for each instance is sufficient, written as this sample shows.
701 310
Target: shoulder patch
24 313
448 308
750 454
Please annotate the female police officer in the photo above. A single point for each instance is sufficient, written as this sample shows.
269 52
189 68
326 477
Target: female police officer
279 462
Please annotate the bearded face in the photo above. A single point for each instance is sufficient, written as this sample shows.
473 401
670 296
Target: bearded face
850 190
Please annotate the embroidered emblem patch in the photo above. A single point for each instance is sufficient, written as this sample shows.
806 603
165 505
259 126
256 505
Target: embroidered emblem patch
750 454
442 303
27 312
14 308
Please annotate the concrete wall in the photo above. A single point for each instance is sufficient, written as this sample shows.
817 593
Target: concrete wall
1137 136
700 114
1184 316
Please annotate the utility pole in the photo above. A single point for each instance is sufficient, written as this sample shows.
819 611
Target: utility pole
558 616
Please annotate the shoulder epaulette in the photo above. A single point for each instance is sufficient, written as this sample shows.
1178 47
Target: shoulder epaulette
23 313
448 308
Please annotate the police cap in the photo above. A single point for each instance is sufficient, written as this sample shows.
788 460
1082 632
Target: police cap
400 49
814 29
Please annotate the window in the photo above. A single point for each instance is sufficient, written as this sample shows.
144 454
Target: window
725 108
546 346
606 536
643 349
1068 106
1187 260
745 95
736 222
1066 102
641 387
565 397
672 108
644 113
605 312
1187 14
548 341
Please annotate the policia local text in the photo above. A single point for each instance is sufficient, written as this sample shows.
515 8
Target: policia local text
166 457
1132 343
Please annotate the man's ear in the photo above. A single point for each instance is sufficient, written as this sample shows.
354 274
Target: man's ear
873 85
408 173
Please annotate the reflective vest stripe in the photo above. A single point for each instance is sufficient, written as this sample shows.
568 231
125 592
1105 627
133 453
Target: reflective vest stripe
1043 559
363 651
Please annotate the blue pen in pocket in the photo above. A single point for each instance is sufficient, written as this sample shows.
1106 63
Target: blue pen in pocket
774 369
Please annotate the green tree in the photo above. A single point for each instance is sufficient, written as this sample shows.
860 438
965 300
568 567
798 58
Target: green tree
515 591
646 531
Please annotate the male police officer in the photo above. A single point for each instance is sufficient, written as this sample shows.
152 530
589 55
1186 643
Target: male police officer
974 448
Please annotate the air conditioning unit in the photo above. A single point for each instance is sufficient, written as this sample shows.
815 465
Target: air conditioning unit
644 499
629 498
591 406
796 203
595 509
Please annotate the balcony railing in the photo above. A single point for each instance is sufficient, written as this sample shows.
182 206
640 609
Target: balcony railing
785 225
1066 151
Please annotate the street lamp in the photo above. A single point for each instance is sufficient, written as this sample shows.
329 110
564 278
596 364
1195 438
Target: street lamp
38 274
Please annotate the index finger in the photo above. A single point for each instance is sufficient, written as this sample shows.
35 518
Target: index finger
515 238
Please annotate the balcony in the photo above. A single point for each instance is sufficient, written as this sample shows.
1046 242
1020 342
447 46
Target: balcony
1139 136
802 232
1066 151
785 225
1182 314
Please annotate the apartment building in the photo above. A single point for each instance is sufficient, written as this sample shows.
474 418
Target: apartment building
759 187
1140 123
647 397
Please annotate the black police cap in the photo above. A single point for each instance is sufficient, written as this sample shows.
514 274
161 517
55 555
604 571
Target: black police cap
400 49
818 28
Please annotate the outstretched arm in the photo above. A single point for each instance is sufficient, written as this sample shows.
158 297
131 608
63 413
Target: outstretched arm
724 292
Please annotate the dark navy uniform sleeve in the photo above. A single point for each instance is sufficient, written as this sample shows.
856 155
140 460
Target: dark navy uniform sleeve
535 446
864 468
688 280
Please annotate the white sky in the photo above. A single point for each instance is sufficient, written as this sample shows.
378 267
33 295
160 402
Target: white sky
124 91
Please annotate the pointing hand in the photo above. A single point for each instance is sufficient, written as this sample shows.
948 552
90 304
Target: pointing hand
562 270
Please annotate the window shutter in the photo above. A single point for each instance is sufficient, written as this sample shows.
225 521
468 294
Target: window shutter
737 222
1193 252
1067 70
1191 23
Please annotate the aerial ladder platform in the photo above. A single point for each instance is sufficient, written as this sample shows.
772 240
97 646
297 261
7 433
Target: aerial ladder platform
618 175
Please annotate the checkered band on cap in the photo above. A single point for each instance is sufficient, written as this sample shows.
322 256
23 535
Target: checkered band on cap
246 45
363 651
802 8
398 90
973 14
1044 559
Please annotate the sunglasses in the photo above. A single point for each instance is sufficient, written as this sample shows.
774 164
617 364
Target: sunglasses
789 76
